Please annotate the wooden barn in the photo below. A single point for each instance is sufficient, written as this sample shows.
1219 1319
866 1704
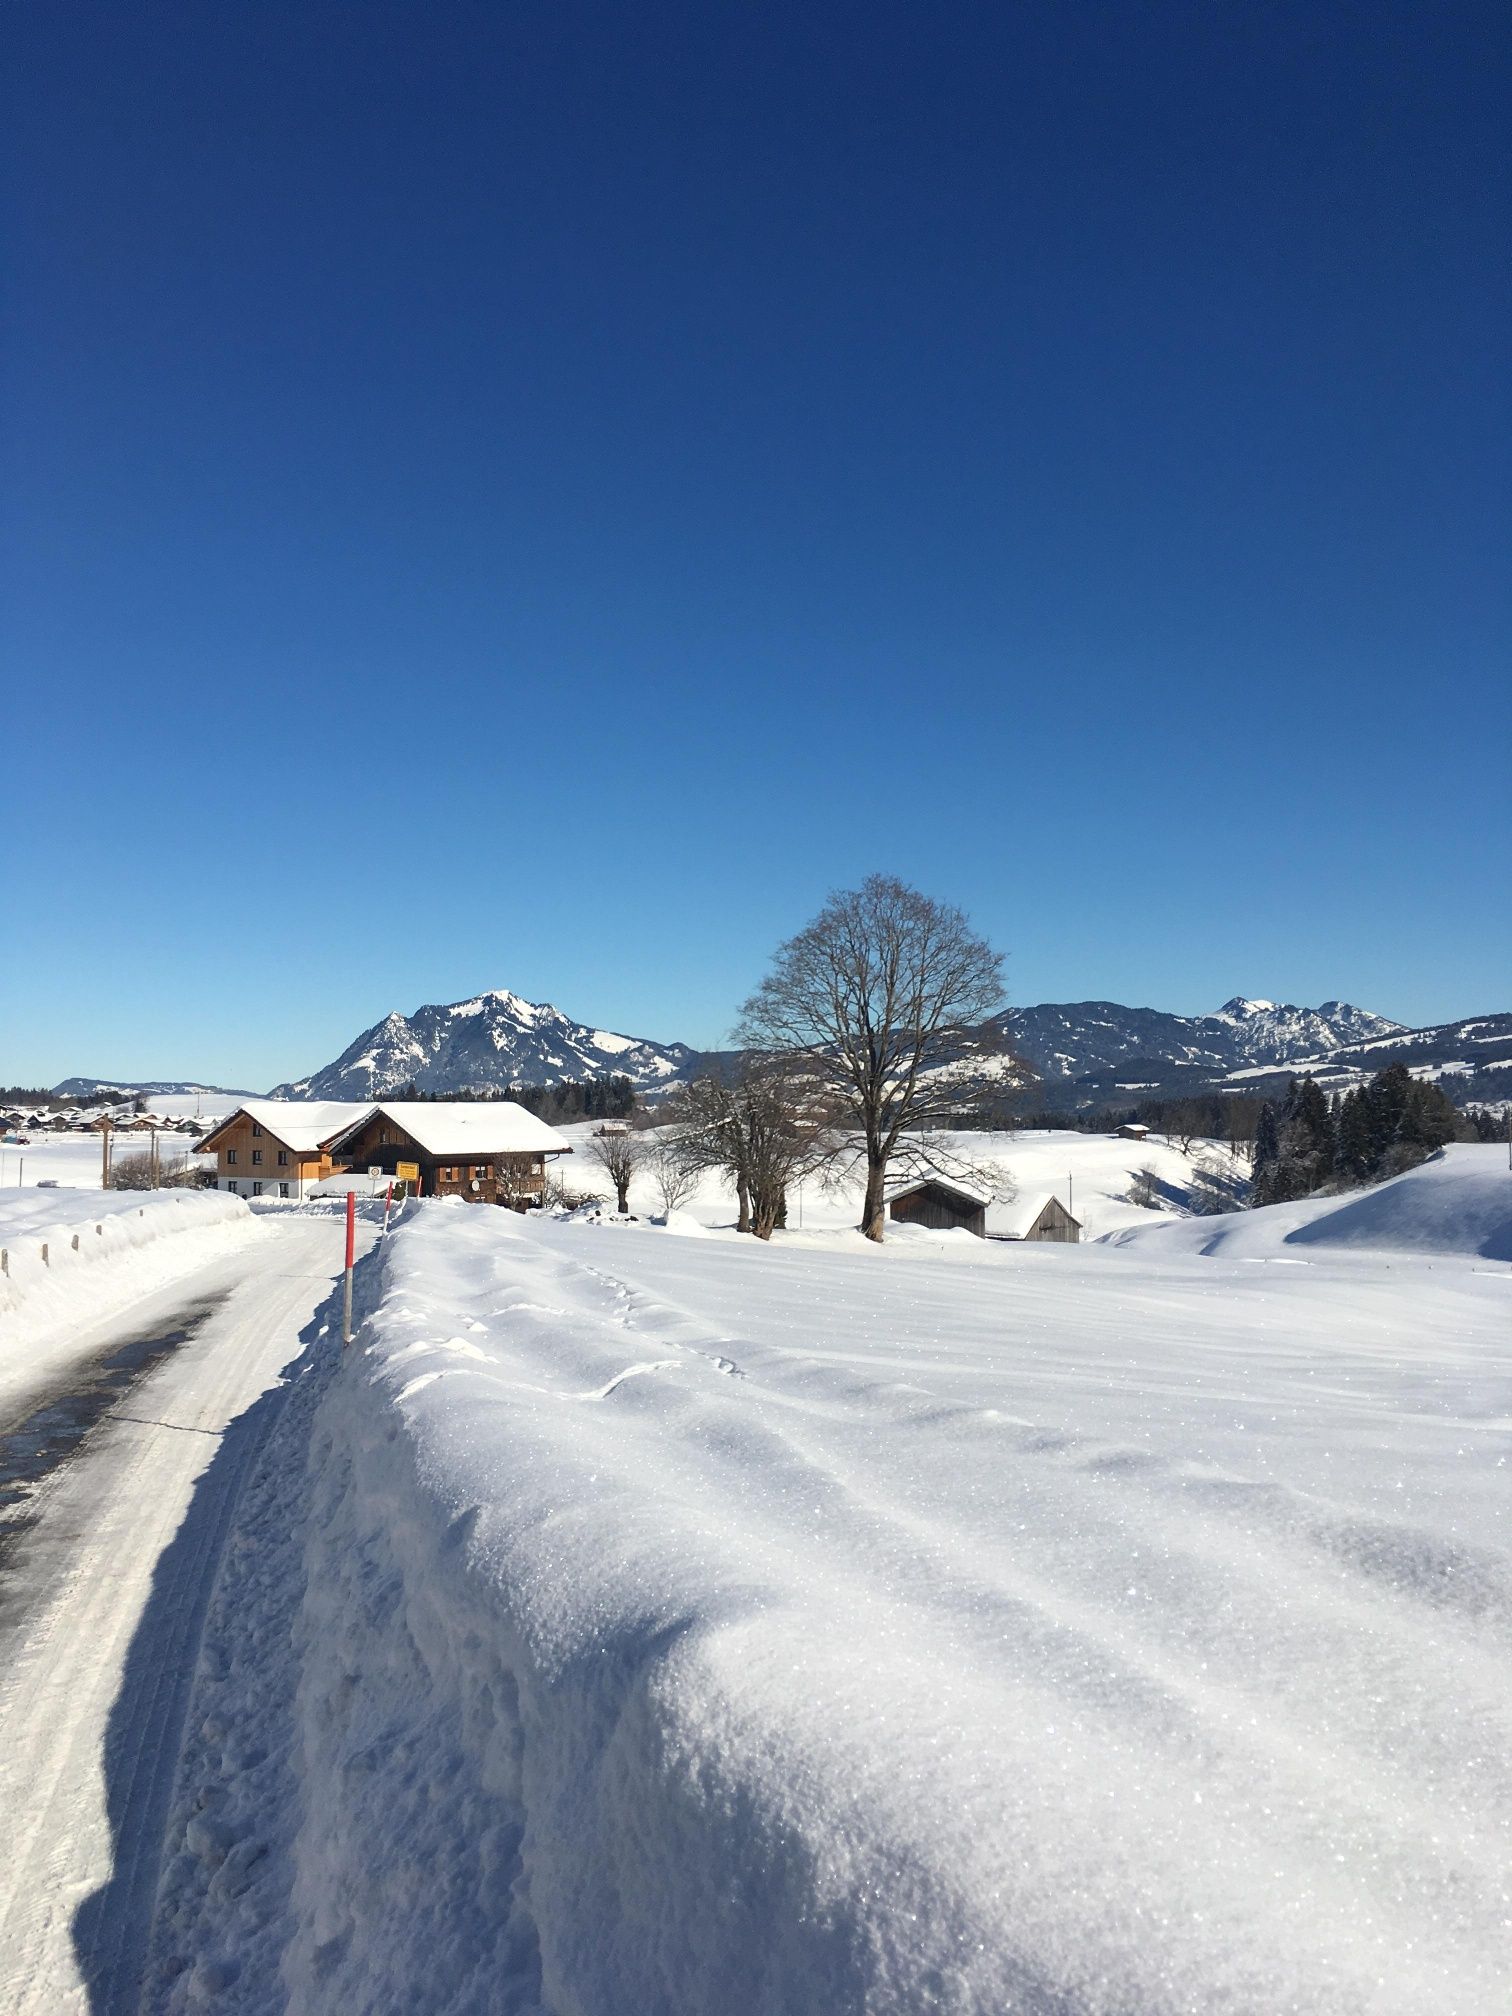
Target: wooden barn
940 1203
1052 1222
486 1151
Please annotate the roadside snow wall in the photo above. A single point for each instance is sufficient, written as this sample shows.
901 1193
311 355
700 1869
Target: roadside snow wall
547 1759
647 1667
91 1238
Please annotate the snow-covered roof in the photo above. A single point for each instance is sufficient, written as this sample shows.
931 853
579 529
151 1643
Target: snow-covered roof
469 1126
977 1193
301 1124
1013 1220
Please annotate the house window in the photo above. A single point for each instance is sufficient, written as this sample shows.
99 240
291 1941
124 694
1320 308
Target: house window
257 1189
283 1189
230 1157
231 1185
256 1131
283 1158
256 1155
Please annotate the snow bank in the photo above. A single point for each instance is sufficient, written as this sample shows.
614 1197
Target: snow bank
689 1627
1459 1204
79 1283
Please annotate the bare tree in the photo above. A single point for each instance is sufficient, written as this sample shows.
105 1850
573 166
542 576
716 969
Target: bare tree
763 1124
885 998
618 1153
1144 1188
561 1196
137 1172
1217 1184
675 1176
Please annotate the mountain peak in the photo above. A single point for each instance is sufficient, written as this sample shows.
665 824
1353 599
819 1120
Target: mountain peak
484 1044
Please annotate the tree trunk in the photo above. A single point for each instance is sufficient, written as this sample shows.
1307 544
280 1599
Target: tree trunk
766 1209
872 1211
623 1191
743 1195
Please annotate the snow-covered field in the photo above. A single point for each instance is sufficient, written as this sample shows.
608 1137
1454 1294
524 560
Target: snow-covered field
642 1623
1089 1173
75 1159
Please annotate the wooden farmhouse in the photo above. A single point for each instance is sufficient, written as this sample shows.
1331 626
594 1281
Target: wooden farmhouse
942 1204
278 1147
487 1151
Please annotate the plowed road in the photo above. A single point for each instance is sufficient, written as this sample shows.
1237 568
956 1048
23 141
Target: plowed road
106 1563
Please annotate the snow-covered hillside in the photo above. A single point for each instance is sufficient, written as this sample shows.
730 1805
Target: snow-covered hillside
1457 1205
494 1040
647 1623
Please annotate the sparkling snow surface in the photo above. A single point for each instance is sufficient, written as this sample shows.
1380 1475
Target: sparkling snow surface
701 1627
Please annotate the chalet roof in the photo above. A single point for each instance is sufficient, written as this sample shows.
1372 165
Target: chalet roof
464 1127
973 1193
304 1125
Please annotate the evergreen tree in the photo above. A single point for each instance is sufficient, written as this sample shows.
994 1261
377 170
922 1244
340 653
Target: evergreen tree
1267 1156
1307 1138
1352 1141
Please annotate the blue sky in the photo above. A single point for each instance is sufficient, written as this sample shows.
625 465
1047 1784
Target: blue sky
536 496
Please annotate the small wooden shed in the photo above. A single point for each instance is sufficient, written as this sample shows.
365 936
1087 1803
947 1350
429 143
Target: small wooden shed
942 1206
1056 1224
1132 1130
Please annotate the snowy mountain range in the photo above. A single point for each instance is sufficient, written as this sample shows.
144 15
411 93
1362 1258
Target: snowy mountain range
1086 1054
1069 1040
494 1040
499 1039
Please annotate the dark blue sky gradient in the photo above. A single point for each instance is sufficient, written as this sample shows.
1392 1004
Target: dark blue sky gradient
536 495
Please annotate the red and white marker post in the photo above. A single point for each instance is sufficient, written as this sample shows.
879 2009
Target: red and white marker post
388 1198
346 1316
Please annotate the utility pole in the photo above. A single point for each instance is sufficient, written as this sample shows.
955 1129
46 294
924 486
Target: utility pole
105 1154
351 1244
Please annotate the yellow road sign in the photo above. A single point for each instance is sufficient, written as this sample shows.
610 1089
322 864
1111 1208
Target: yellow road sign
407 1172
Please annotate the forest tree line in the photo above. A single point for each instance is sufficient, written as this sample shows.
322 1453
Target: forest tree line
1308 1143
